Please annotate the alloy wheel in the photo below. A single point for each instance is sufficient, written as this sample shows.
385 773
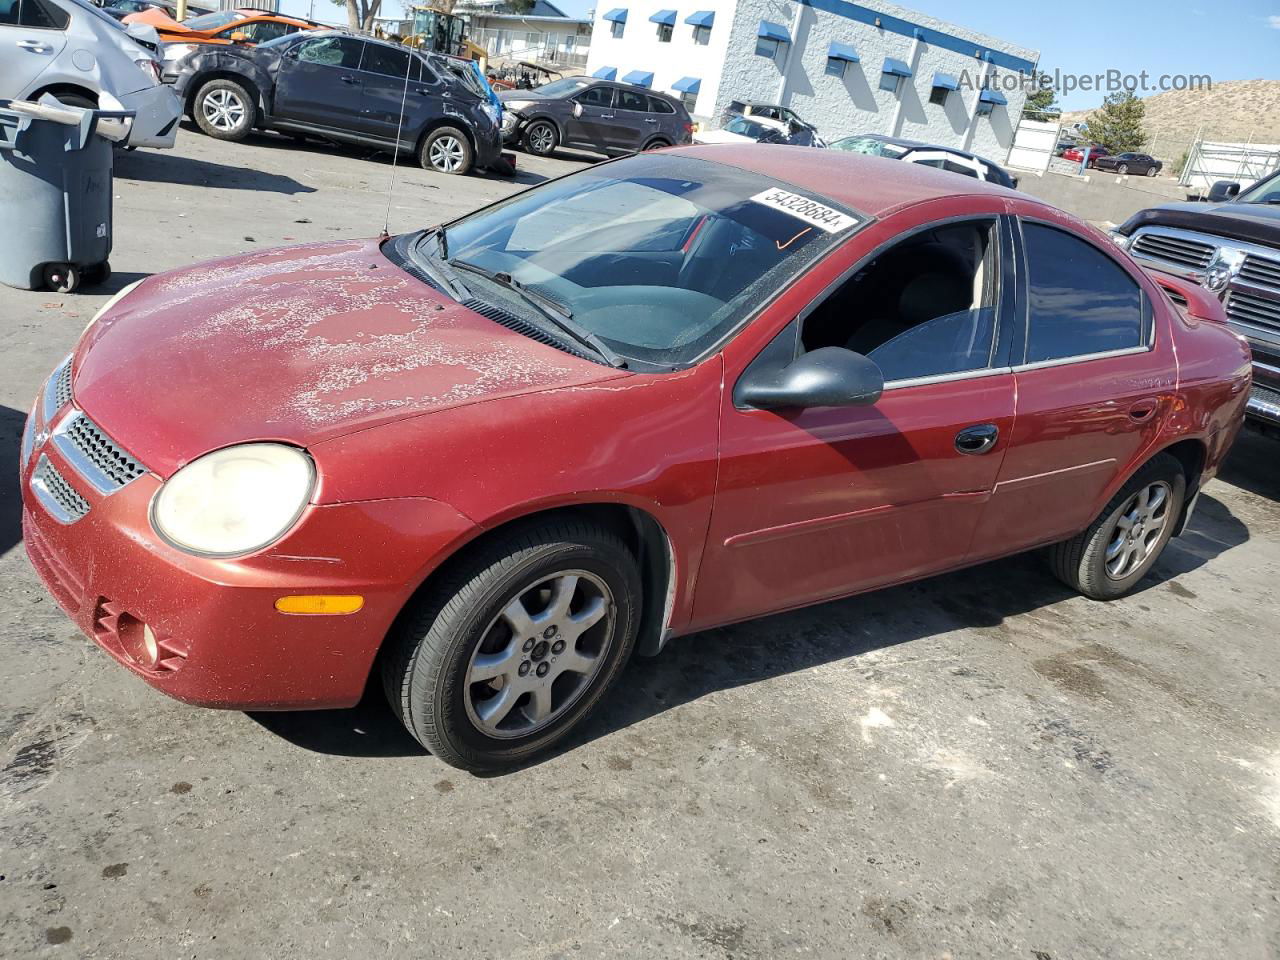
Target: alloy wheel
542 138
446 154
223 109
1138 530
539 654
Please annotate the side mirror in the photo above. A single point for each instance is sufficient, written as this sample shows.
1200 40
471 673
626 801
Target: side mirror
827 377
239 37
577 109
1224 190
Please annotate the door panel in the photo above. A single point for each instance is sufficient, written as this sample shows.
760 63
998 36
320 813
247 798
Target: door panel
628 129
591 129
319 82
822 503
383 73
32 35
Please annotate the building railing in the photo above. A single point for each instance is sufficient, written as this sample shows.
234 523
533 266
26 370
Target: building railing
551 50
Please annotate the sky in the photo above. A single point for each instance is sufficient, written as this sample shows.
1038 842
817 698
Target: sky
1226 40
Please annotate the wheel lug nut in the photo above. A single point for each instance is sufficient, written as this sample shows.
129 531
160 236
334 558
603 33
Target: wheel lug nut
548 633
543 668
557 647
528 645
524 668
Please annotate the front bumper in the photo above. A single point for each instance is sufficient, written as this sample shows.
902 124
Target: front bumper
158 111
221 641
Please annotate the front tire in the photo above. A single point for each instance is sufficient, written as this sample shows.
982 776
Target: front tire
1121 546
447 150
541 138
516 644
1123 169
1151 171
224 110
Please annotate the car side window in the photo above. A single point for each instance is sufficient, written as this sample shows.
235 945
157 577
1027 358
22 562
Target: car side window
658 105
596 97
389 62
331 52
630 100
1080 301
925 307
33 13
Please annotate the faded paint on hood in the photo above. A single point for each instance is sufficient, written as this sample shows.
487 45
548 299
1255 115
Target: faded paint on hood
300 344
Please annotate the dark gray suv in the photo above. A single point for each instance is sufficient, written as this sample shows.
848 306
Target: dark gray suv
609 118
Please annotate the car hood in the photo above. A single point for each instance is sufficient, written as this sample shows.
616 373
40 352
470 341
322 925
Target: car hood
301 345
505 95
1254 222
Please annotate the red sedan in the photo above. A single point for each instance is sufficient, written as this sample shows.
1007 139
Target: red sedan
1076 154
490 460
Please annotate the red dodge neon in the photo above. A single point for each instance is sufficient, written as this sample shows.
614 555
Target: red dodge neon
491 459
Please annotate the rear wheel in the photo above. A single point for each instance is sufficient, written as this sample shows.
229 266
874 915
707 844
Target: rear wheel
446 150
224 110
656 145
541 138
1122 545
76 100
516 644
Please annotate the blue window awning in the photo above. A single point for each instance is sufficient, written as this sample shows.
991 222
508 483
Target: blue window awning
606 73
895 68
639 77
842 51
687 85
946 81
664 16
618 15
701 18
773 31
993 96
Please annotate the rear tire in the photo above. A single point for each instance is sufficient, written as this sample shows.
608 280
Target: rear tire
1121 546
541 138
75 100
446 150
471 665
656 145
224 110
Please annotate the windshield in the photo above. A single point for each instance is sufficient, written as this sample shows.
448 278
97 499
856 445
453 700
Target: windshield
1268 191
659 256
560 88
212 21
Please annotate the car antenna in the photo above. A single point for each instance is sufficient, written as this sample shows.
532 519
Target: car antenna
395 154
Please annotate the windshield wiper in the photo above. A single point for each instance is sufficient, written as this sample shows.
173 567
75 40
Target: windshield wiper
438 266
553 310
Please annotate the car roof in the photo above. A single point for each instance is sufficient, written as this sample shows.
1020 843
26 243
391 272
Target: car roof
870 185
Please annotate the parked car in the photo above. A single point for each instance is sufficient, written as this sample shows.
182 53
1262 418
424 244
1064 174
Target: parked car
74 51
741 129
1231 247
337 86
929 155
1141 164
758 109
119 9
492 458
590 114
1076 154
245 27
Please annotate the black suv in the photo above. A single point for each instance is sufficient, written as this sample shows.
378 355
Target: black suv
337 86
1231 247
609 118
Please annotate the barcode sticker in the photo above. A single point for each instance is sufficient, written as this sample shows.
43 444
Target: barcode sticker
806 209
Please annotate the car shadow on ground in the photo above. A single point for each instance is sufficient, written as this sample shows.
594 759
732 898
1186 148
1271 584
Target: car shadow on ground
1252 464
11 423
161 166
987 596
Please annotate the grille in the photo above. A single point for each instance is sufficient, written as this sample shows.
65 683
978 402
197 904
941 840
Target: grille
1261 271
64 502
1259 312
100 450
62 388
1173 249
54 571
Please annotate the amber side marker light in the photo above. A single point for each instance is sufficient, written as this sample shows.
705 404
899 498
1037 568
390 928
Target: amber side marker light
320 604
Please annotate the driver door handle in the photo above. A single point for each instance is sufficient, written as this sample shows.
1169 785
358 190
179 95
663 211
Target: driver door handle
977 439
35 46
349 79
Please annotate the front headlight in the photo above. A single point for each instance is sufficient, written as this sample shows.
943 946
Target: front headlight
102 311
176 51
516 104
234 501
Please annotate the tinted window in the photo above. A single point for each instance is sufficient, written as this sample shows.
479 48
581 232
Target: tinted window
630 100
597 97
33 13
259 31
658 105
388 61
331 51
924 308
1080 300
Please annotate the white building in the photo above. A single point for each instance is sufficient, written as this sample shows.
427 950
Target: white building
865 67
540 31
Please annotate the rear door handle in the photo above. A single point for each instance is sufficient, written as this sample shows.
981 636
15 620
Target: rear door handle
977 439
1143 410
35 46
352 80
650 119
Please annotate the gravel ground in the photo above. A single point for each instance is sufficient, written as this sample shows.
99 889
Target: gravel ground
981 765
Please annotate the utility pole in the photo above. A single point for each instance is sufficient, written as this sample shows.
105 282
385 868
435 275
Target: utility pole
181 11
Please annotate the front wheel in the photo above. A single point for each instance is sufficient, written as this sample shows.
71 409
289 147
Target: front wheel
224 110
541 138
1151 171
1121 546
515 644
446 150
1124 169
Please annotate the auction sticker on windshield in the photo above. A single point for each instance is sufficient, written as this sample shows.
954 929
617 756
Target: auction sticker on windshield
806 209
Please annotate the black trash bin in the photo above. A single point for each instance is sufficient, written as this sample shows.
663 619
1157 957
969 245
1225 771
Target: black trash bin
55 178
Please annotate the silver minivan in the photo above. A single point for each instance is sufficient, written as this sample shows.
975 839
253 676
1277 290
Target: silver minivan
74 51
